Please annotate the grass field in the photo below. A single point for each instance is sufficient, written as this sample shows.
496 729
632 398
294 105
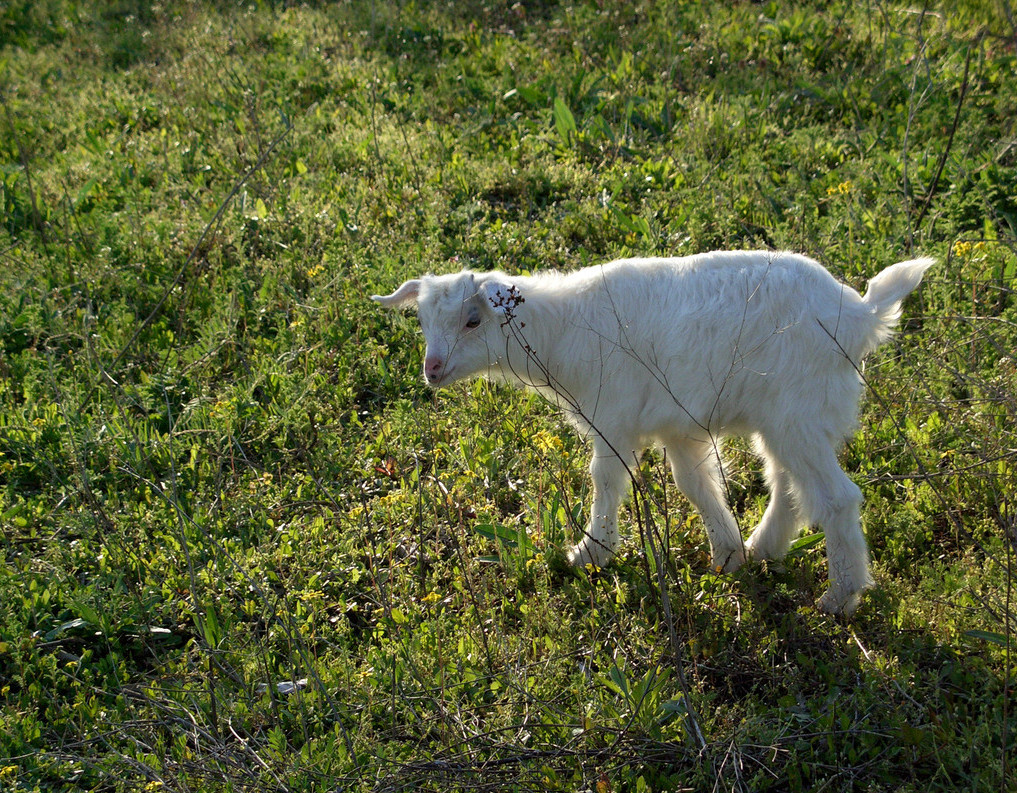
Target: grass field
245 548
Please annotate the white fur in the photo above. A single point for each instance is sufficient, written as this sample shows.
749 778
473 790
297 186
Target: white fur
682 352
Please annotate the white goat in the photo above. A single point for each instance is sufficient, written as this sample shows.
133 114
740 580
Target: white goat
682 352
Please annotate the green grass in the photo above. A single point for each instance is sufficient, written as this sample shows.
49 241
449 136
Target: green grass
245 548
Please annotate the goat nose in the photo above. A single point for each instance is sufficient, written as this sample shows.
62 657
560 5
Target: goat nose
433 366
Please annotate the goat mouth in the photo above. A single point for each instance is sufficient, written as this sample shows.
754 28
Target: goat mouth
444 377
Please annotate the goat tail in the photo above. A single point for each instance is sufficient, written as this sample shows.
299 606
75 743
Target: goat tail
885 294
888 289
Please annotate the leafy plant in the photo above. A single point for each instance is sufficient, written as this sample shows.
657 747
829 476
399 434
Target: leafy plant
245 547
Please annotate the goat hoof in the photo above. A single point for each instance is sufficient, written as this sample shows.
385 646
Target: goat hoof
729 561
590 551
839 603
754 550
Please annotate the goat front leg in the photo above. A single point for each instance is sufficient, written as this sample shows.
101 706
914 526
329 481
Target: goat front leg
697 471
610 484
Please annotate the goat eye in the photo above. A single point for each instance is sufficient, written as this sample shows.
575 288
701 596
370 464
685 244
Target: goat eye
473 322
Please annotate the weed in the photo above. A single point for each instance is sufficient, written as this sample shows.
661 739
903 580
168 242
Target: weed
245 547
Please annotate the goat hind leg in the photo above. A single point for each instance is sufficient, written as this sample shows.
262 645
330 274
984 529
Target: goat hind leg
780 524
828 498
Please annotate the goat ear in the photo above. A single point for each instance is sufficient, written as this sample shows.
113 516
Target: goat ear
502 297
407 293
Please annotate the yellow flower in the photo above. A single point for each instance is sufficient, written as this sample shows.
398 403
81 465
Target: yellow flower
547 442
395 497
264 480
962 248
844 188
